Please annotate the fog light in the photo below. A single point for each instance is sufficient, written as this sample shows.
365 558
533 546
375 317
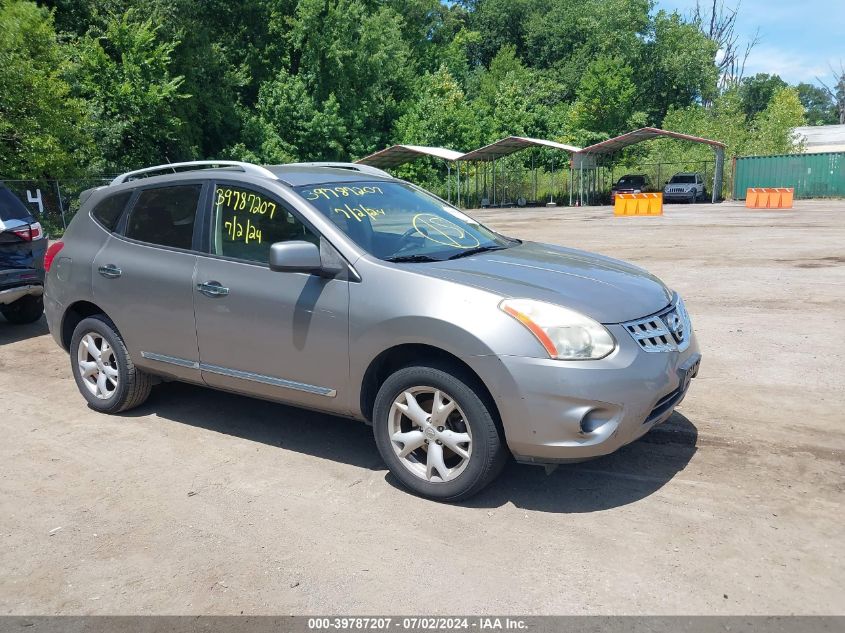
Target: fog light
593 420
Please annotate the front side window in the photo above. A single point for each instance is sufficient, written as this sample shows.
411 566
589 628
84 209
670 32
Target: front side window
397 222
108 211
245 223
165 216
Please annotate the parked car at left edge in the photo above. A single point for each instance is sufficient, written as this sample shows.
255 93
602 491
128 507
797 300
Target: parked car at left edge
22 249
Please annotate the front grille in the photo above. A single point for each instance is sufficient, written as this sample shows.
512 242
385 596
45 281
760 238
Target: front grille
667 331
676 190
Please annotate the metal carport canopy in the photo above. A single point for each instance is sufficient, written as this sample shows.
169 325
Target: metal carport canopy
396 155
612 145
512 144
643 134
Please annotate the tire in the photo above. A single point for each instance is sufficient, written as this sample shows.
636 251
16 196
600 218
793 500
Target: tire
124 386
472 417
27 309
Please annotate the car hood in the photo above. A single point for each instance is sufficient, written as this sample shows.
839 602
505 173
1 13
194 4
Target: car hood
605 289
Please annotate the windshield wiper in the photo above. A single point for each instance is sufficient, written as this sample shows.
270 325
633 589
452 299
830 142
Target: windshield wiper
410 258
476 250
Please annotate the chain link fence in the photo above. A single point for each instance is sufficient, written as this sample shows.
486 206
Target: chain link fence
52 202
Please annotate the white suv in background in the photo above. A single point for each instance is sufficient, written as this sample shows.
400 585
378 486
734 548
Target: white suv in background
688 187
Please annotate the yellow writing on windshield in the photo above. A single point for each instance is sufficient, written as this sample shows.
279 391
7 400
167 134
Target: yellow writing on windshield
359 212
245 201
237 230
443 231
332 193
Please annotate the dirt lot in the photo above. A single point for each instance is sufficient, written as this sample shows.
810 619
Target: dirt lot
202 502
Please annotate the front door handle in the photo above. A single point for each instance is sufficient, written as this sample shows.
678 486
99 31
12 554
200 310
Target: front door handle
213 289
110 271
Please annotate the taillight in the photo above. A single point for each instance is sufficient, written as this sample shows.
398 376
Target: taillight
50 255
29 232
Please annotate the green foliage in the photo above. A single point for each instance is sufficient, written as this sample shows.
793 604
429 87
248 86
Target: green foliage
678 67
42 128
122 71
756 92
819 107
127 83
772 131
440 116
605 97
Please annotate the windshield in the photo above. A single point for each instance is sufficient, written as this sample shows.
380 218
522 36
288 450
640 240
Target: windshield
683 178
630 181
397 222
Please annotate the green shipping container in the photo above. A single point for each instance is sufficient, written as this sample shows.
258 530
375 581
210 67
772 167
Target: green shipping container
812 175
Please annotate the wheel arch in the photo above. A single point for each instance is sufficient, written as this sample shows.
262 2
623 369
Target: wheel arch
406 354
73 315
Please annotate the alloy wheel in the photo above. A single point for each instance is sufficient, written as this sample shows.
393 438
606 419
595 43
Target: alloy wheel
430 434
97 365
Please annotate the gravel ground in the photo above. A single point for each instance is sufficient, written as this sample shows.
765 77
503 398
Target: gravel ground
204 502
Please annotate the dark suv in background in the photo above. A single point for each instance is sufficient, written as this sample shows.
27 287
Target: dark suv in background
630 183
22 248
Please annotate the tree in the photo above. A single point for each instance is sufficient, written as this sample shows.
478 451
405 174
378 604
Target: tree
42 127
439 115
503 23
819 107
344 48
756 92
122 71
289 125
837 91
605 97
677 67
773 128
718 23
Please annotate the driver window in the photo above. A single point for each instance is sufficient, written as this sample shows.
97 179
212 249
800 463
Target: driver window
245 222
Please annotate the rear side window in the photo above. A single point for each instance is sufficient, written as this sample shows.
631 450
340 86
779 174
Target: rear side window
108 211
11 208
165 216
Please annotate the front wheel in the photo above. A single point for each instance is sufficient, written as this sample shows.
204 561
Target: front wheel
27 309
436 434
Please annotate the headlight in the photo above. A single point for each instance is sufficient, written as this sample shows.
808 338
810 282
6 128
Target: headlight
564 333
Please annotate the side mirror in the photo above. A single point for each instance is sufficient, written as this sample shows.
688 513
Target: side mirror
295 257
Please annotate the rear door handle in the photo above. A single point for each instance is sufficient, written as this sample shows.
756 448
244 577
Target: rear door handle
110 271
213 289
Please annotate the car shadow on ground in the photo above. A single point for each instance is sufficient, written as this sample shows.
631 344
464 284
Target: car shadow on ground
13 333
632 473
626 476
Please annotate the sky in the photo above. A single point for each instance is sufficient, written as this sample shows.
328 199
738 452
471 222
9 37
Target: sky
799 39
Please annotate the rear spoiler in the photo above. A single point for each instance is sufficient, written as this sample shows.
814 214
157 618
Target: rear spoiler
83 197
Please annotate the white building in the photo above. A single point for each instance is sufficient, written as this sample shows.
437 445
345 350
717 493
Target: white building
821 138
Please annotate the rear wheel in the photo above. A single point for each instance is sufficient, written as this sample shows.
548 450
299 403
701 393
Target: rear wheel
103 370
436 434
27 309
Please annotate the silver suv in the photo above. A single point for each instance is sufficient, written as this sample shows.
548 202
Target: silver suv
338 288
688 187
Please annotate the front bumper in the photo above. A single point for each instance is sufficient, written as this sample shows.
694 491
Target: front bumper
562 411
686 196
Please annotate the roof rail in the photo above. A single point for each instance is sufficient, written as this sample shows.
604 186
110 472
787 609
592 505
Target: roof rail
364 169
248 168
